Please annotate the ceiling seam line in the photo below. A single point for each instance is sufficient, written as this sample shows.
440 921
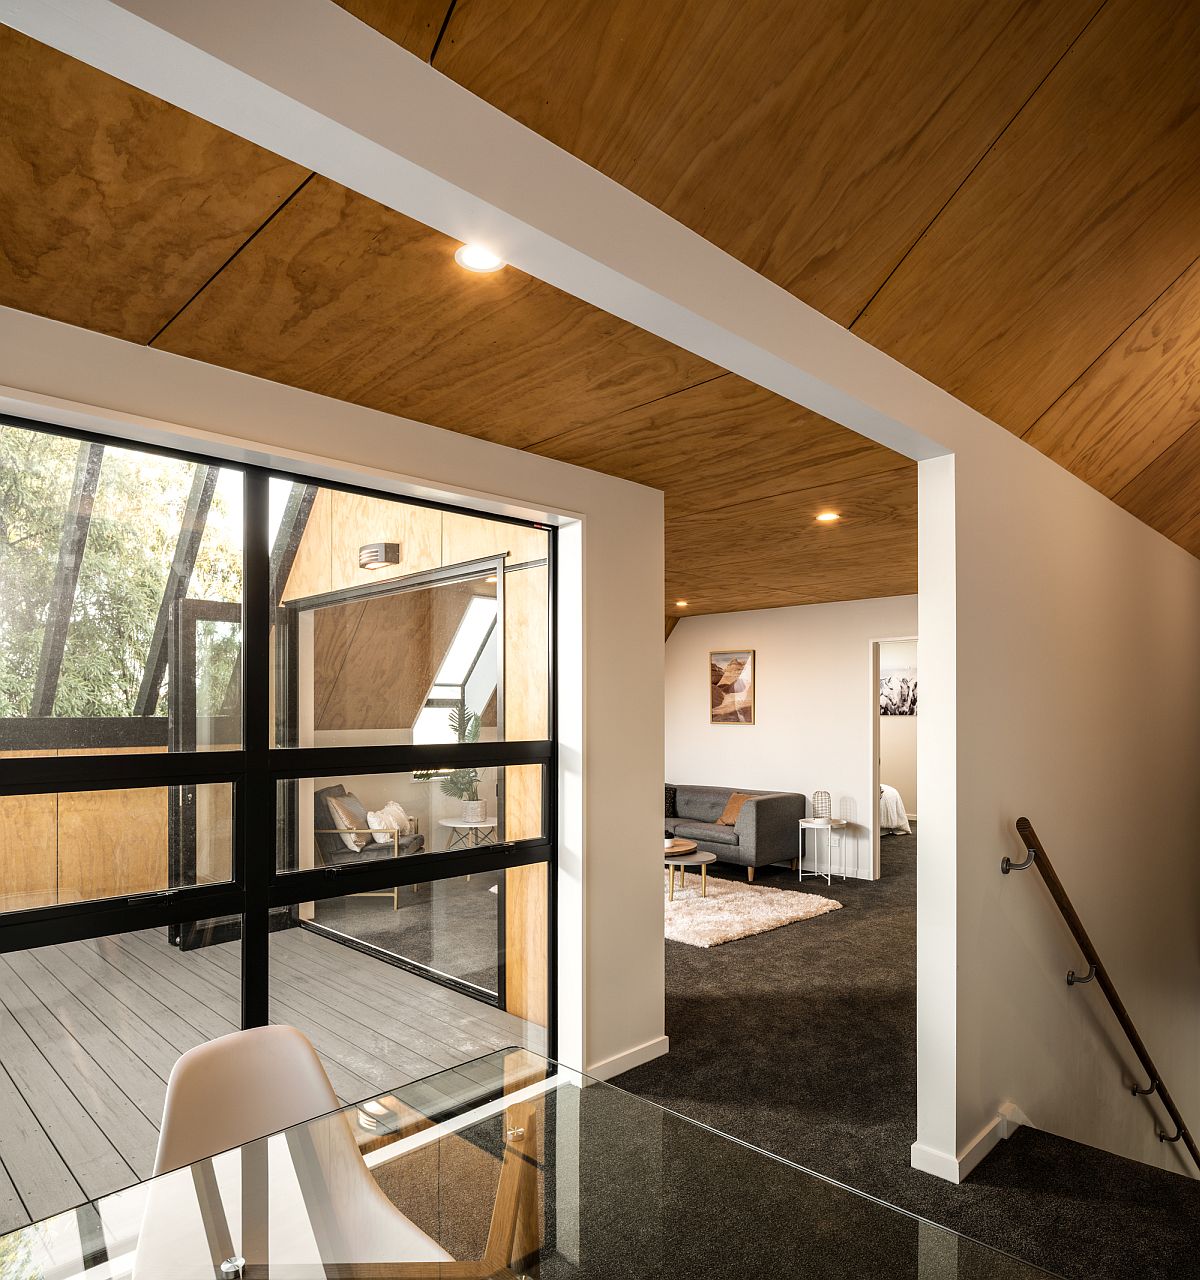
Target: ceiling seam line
249 240
754 502
1141 315
633 408
971 172
1158 457
437 44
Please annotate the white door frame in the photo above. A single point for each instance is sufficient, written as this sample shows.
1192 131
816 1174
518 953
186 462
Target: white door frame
873 668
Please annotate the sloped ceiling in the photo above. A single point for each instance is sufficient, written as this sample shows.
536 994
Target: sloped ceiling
1003 196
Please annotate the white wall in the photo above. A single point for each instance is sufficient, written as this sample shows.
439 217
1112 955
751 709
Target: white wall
814 706
1077 695
610 605
898 734
1058 681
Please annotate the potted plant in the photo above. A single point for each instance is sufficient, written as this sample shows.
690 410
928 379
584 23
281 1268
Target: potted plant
462 784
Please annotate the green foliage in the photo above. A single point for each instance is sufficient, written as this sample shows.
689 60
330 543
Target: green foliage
459 784
131 540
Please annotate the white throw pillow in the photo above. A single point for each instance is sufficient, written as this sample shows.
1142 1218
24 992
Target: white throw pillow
390 818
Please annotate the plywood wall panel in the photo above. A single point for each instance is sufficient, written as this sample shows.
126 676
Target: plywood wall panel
467 537
214 833
526 650
375 660
356 520
28 848
112 843
312 570
526 915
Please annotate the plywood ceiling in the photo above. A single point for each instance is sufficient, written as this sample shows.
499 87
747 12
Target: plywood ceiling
325 290
1003 196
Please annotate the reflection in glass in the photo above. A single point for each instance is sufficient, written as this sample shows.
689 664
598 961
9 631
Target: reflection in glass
367 657
418 978
337 821
509 1165
393 663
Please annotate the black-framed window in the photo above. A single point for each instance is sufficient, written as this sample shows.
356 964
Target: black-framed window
167 677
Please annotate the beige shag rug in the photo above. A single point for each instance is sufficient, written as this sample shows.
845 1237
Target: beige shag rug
733 910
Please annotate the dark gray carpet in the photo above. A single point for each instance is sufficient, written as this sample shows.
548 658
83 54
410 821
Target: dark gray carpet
802 1041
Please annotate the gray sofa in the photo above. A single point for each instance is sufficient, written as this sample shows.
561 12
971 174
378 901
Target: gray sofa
767 829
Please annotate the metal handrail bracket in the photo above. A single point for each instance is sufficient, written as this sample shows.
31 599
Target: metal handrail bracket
1097 973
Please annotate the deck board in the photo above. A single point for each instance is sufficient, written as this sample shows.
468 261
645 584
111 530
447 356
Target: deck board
127 1128
94 1163
41 1176
12 1211
89 1032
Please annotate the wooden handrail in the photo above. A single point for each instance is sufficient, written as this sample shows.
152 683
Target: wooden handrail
1037 857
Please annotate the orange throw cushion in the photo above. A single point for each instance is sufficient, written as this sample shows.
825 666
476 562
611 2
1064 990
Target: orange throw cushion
733 806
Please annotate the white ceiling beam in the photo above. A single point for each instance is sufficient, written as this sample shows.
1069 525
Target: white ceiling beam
309 82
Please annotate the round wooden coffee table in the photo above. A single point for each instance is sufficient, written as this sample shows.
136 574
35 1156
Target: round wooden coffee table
683 854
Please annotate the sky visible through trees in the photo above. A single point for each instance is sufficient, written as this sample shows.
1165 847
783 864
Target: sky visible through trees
131 540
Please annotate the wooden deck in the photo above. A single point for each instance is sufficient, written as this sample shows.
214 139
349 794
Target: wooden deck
89 1032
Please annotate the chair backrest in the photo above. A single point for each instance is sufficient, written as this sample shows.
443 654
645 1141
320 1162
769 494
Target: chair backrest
330 848
237 1088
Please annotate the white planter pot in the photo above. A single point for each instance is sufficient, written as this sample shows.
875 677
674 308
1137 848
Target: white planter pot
474 810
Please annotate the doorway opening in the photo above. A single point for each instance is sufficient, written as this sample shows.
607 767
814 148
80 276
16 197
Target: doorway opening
894 699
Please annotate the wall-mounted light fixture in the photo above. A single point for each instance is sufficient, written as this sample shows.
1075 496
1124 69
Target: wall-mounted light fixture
377 555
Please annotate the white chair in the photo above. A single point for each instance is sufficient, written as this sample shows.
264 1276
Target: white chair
310 1186
242 1086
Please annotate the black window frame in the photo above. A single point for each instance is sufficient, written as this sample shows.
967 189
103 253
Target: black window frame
257 886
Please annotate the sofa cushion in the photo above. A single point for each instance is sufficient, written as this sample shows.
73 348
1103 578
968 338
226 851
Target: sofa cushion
669 809
701 804
709 832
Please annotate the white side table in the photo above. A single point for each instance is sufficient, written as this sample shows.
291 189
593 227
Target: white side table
468 835
828 825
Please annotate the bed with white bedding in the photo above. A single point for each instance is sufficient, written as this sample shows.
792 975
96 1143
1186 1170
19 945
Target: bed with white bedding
893 820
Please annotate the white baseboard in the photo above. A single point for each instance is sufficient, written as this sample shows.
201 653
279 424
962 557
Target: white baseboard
938 1163
635 1057
955 1168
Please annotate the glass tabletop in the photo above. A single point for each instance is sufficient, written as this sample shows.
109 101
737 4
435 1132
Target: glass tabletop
506 1166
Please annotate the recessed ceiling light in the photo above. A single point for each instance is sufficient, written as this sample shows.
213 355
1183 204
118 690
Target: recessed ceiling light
828 517
490 578
680 604
476 258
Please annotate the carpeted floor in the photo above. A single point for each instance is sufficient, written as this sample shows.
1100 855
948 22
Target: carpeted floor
802 1041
